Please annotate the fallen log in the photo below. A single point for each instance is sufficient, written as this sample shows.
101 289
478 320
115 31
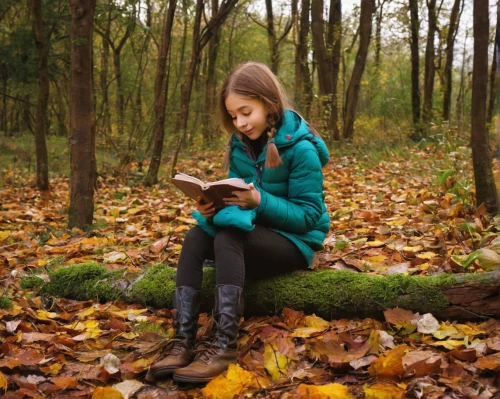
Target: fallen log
329 294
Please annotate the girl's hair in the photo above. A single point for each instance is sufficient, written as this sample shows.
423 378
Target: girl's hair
255 80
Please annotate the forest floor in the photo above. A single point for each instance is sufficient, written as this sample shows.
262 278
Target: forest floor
410 212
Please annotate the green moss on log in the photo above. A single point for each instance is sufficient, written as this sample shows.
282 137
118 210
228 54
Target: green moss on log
84 281
324 292
155 287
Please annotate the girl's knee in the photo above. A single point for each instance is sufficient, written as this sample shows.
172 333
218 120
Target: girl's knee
227 237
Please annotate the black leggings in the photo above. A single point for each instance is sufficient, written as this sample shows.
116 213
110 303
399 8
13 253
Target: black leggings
257 254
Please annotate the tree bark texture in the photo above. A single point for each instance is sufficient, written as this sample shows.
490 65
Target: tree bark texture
495 72
42 45
103 79
327 293
207 122
82 125
271 37
483 175
200 40
321 56
161 91
448 66
430 68
335 40
303 84
378 34
415 66
3 108
365 30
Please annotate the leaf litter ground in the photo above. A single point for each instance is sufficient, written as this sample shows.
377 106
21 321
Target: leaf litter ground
410 214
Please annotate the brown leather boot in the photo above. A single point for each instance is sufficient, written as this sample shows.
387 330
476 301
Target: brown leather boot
178 352
216 354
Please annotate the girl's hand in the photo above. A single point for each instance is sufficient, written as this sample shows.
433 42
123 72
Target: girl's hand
246 199
207 210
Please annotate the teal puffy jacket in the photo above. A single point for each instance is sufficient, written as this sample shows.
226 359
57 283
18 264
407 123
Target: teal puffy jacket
292 200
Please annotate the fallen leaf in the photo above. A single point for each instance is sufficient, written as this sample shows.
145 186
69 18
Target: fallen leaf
107 393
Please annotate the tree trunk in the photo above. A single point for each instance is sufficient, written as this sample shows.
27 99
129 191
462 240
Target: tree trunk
430 69
495 72
461 90
448 66
415 66
378 34
82 140
103 79
42 45
199 42
335 37
483 175
328 294
271 37
207 120
161 91
322 58
365 22
303 85
3 109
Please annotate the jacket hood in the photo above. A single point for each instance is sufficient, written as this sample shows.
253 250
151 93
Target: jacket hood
293 128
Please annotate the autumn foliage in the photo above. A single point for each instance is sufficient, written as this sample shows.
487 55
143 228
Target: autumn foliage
402 215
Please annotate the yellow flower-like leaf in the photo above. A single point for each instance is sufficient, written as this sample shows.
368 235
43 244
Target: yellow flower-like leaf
390 364
236 381
275 362
127 313
106 393
3 382
331 391
383 391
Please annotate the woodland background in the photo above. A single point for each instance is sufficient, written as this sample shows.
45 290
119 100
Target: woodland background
137 80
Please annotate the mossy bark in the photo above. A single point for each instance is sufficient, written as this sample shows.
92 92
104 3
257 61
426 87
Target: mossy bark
329 294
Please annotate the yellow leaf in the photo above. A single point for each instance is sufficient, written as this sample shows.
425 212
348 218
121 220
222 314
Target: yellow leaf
44 315
114 256
312 324
275 362
129 335
83 314
375 243
186 220
55 368
127 313
449 344
42 262
4 235
237 381
331 391
377 259
445 330
416 248
398 222
94 241
427 255
3 382
106 393
383 391
390 364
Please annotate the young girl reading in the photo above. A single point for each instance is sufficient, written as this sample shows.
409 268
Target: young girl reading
275 227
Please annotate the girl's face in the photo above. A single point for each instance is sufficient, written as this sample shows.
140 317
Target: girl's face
249 115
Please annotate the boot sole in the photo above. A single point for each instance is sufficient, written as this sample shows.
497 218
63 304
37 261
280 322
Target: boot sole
193 380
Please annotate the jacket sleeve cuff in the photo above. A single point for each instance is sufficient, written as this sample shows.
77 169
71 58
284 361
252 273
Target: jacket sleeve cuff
263 203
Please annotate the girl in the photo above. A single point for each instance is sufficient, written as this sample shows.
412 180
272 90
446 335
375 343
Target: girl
275 227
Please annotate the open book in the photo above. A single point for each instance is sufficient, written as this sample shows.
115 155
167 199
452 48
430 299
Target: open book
209 192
